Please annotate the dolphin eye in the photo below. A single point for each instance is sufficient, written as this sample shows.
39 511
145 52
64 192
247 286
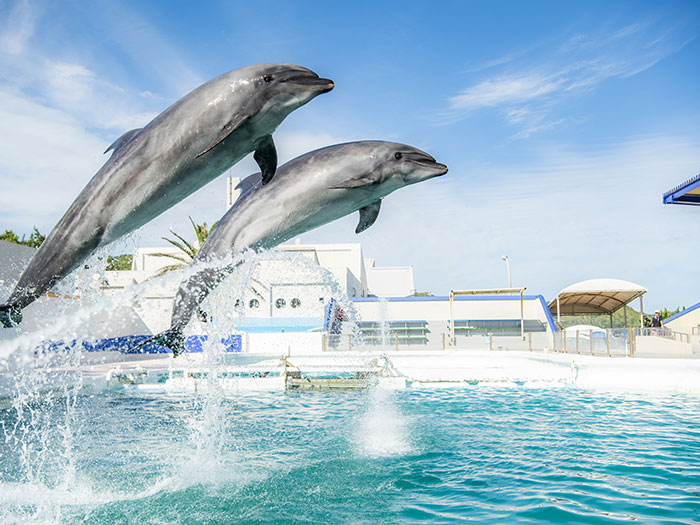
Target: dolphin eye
398 155
267 78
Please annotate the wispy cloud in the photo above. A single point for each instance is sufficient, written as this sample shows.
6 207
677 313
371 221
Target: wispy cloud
507 90
18 28
527 90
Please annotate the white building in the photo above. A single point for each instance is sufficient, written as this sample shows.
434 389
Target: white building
293 283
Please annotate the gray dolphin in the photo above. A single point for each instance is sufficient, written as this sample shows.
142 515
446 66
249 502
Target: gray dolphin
307 192
153 168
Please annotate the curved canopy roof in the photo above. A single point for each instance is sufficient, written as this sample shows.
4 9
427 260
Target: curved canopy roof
596 296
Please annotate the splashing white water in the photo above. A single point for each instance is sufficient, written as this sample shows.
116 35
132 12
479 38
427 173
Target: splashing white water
382 430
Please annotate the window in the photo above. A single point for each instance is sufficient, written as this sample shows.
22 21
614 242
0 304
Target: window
279 303
296 303
254 303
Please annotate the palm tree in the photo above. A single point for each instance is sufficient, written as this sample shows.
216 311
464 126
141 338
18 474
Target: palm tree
188 250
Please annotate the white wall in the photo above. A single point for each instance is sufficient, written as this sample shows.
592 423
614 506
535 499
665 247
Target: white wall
390 281
686 322
439 308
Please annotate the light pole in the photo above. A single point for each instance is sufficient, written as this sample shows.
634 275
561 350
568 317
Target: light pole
507 260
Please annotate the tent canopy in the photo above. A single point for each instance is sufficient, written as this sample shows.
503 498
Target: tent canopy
595 296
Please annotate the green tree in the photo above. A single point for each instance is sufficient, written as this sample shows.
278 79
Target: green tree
188 250
34 241
119 262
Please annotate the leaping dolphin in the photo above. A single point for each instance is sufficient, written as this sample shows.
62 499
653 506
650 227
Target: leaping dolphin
153 168
307 192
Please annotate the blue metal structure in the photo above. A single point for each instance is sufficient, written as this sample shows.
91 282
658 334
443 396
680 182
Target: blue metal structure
687 193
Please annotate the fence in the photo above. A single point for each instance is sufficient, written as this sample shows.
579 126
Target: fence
601 342
610 341
391 340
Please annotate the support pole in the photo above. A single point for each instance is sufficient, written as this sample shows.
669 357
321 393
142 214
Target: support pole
641 312
631 336
590 339
522 316
452 319
558 310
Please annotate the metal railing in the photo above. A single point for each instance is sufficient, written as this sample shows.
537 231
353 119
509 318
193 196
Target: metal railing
611 341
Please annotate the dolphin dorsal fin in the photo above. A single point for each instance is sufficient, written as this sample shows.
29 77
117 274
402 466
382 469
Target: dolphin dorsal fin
368 215
123 140
248 182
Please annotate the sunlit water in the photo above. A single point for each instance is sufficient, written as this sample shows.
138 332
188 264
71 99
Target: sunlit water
480 453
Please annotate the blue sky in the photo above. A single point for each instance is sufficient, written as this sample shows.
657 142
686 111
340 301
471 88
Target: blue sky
562 123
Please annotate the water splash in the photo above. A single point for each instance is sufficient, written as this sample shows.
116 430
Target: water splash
382 430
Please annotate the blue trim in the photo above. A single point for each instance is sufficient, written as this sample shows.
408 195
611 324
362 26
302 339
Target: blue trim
681 314
278 324
548 313
193 344
327 318
445 298
678 194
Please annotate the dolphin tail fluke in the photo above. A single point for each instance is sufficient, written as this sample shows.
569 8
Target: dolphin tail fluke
172 338
10 316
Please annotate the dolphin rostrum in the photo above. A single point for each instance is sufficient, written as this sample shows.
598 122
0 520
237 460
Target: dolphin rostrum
309 191
153 168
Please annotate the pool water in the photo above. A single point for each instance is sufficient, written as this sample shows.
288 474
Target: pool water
487 454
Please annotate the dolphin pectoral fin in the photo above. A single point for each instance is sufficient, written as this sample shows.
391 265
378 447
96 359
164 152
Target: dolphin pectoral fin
368 215
356 183
123 140
10 316
172 338
233 124
266 157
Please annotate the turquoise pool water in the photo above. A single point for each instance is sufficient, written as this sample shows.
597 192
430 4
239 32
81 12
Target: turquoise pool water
485 454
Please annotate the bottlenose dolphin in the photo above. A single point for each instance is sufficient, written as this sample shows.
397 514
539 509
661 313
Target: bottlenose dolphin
153 168
307 192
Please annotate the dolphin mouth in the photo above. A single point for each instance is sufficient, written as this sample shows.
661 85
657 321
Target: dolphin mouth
426 161
438 168
323 85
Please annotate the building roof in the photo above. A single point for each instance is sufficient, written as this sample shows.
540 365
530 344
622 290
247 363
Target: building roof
682 313
686 193
14 258
596 296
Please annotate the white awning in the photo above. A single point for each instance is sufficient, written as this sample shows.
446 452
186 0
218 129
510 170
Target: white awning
595 296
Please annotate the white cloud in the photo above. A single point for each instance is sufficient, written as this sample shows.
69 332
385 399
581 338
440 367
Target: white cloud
18 27
46 157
